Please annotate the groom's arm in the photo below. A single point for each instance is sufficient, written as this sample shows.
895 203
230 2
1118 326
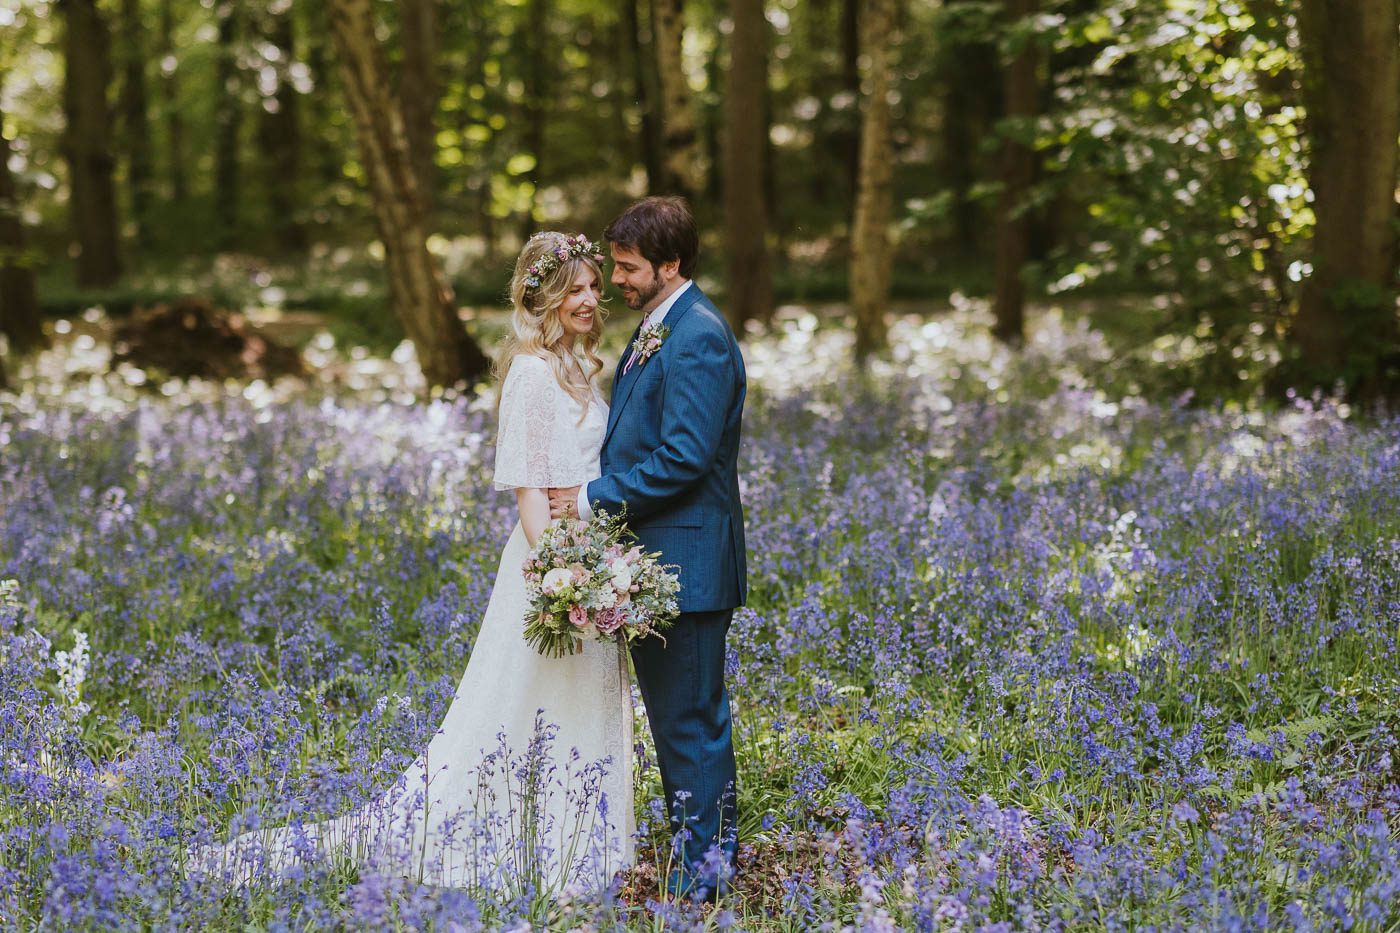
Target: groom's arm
692 425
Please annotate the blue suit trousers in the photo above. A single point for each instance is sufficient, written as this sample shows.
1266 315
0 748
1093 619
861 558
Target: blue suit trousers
687 704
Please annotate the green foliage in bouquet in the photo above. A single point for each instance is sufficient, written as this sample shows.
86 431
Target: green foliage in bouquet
591 580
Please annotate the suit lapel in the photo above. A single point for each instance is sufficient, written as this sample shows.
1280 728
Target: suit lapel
619 377
623 384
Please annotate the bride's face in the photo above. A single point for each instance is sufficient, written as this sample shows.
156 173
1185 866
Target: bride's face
580 306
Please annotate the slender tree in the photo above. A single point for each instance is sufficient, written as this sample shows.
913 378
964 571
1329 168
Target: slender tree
750 291
20 320
279 128
821 32
228 121
713 116
679 140
538 86
1346 325
481 38
644 82
1016 170
972 81
871 249
170 103
323 155
419 92
420 295
87 141
136 134
848 139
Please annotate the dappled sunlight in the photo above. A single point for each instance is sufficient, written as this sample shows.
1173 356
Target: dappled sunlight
942 350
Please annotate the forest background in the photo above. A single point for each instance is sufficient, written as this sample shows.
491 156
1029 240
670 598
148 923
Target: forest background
1214 181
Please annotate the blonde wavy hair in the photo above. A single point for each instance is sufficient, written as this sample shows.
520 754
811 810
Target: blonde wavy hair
534 321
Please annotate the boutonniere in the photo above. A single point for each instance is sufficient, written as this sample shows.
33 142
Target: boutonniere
649 340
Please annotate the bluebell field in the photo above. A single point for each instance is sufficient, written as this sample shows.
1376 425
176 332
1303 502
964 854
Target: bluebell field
1025 650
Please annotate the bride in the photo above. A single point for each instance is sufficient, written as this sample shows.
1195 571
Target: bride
527 786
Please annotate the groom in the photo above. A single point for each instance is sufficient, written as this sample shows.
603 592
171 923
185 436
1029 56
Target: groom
670 459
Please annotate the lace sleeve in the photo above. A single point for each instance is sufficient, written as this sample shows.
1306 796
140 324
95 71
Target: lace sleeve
536 446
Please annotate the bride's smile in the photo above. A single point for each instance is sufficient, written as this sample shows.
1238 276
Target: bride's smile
579 308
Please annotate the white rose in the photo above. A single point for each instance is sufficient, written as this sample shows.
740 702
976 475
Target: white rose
556 580
621 575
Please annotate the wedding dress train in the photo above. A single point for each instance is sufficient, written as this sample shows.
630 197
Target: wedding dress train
528 782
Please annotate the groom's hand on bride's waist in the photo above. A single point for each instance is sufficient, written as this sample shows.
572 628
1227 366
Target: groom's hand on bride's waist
563 503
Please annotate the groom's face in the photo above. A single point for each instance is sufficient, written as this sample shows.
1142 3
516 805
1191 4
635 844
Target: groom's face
638 280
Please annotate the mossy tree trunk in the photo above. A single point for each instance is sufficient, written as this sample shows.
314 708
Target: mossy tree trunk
1016 171
420 296
679 139
750 284
1346 328
871 247
87 142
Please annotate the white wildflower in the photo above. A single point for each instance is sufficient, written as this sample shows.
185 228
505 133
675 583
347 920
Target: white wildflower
72 667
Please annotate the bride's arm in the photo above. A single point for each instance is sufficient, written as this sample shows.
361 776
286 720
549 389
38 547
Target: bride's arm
534 511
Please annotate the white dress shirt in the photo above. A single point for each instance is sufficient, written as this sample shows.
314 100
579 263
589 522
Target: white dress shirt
657 315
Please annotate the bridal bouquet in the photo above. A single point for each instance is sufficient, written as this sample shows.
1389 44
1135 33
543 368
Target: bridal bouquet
590 580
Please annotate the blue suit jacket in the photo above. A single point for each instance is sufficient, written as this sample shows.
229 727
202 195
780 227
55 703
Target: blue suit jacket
671 453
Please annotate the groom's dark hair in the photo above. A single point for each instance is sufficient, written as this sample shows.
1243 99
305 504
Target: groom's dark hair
661 228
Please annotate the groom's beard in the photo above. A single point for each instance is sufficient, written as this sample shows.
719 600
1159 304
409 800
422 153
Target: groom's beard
639 299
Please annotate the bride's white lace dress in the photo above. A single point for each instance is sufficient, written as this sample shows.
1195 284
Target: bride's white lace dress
528 783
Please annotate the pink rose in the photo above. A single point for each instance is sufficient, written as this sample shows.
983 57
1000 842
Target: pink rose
609 621
578 616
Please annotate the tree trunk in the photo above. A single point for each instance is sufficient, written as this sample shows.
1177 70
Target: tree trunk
479 171
712 119
279 134
19 298
420 295
643 84
170 101
1016 171
971 78
537 103
325 157
419 92
87 142
848 142
750 289
1346 326
679 143
228 119
135 125
871 250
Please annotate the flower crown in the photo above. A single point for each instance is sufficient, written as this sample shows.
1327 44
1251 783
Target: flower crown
578 247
